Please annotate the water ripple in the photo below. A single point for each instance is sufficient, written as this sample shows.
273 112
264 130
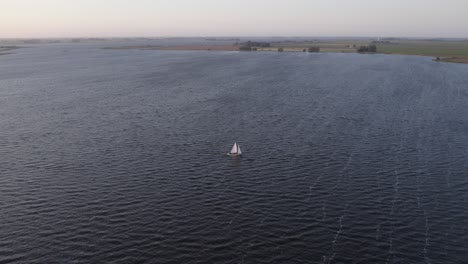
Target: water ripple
119 157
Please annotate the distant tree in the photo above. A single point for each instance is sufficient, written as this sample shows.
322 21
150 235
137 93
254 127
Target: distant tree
257 44
304 50
245 48
370 48
280 49
314 49
254 49
362 49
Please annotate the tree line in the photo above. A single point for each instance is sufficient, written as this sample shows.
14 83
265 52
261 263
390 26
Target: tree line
252 46
369 48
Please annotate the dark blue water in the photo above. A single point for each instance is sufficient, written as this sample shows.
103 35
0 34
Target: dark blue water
118 156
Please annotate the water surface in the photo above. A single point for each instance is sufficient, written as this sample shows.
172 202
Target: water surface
118 156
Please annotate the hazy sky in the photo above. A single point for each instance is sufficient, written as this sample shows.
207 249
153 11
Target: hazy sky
107 18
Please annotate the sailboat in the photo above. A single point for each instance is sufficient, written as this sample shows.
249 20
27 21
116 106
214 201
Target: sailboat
235 151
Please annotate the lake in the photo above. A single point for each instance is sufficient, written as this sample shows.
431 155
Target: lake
119 156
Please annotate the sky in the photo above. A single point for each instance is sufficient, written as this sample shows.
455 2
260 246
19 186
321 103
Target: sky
159 18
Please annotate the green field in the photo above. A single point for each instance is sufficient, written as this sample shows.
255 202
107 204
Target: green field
426 48
406 47
447 50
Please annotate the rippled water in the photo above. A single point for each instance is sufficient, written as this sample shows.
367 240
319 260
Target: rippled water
118 156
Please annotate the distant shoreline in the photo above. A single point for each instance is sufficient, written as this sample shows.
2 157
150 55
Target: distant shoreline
5 50
287 48
181 48
452 59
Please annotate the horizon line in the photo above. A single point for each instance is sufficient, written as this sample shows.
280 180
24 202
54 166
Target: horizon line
234 36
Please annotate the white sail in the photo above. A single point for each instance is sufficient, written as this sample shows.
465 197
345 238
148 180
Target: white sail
234 149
